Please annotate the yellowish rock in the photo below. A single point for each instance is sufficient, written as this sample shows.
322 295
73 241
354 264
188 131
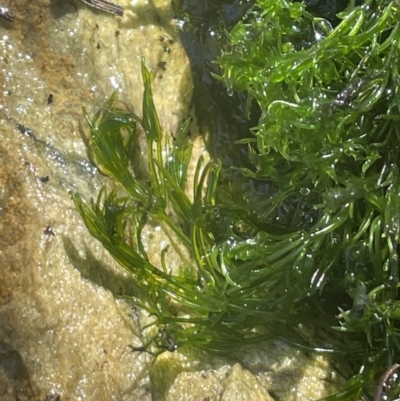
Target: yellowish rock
242 385
62 331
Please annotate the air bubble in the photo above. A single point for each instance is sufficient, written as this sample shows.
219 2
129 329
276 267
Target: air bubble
305 191
229 92
308 219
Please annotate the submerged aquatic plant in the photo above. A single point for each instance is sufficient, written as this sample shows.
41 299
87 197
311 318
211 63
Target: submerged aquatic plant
222 292
328 139
324 244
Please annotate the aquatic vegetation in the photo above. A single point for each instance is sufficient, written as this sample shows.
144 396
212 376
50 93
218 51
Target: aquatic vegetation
322 246
328 139
222 292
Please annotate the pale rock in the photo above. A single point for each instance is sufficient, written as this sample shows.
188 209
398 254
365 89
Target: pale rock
62 331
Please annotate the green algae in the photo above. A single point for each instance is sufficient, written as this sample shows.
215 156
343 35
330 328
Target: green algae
328 140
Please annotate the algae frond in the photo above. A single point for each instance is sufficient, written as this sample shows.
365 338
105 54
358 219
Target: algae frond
222 292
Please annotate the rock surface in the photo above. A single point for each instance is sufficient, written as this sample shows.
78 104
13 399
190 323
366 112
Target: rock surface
63 334
62 330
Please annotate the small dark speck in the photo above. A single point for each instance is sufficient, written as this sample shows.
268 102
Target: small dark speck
161 65
167 49
57 156
48 231
25 130
117 33
50 99
45 178
98 45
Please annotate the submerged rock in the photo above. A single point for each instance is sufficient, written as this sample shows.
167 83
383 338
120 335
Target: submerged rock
59 318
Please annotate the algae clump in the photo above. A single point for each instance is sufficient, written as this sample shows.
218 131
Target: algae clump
328 140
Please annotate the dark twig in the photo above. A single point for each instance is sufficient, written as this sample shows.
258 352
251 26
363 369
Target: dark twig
106 6
102 5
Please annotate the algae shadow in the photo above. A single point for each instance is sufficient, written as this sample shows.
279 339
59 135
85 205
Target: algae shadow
97 272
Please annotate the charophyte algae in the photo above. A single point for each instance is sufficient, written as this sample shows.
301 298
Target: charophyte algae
323 245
